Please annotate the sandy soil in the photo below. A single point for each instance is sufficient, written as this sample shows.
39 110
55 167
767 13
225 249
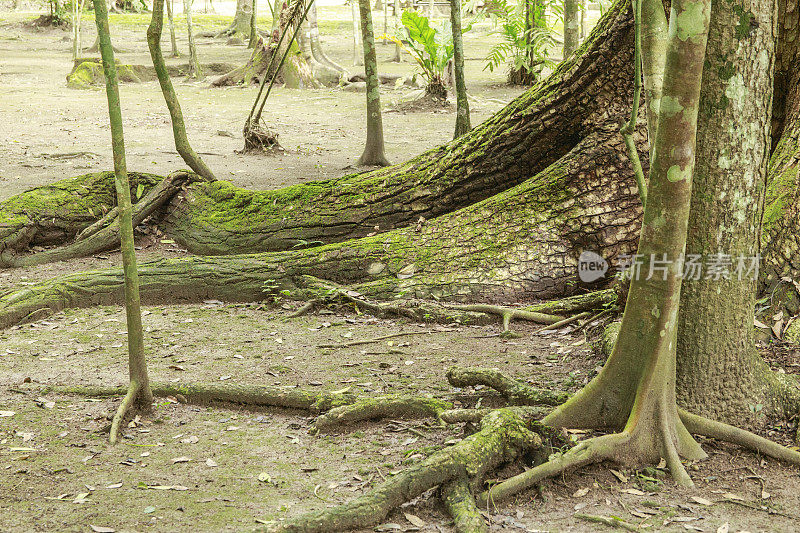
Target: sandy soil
239 466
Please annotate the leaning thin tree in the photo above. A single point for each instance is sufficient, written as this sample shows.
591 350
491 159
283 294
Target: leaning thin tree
139 392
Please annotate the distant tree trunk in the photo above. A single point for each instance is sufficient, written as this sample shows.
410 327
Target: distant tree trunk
77 14
253 26
398 58
462 103
358 49
242 20
316 46
139 392
171 19
195 71
584 19
373 151
571 26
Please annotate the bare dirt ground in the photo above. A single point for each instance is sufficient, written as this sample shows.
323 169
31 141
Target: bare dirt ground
223 468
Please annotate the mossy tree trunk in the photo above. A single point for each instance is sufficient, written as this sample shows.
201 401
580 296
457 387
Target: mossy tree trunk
462 103
374 154
316 44
139 392
720 373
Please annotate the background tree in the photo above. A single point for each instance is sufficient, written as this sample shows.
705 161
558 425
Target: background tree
139 392
171 19
195 70
358 49
242 22
572 26
462 103
374 150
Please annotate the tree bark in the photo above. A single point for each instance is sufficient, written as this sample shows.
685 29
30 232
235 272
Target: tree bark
358 49
373 151
242 20
139 392
170 17
715 342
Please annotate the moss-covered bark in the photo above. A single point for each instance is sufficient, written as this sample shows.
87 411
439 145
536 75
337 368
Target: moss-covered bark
54 214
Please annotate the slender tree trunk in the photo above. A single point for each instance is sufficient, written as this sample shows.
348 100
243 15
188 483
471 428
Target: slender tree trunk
139 391
462 103
171 19
398 58
189 156
195 71
373 151
572 26
584 19
358 49
715 342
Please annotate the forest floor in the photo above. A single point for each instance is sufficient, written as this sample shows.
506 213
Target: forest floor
217 468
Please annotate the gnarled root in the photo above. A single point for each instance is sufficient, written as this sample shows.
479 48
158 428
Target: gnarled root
382 407
514 391
259 138
509 313
104 234
460 504
503 436
255 395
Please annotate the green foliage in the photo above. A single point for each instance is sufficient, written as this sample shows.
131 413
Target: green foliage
526 39
431 48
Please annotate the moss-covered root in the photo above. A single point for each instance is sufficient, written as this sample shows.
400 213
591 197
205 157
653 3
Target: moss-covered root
503 436
460 504
591 301
253 395
717 430
103 234
513 390
54 214
382 407
507 314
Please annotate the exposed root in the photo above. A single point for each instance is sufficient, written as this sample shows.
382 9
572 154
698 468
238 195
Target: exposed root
587 452
374 339
717 430
383 407
255 395
460 504
463 416
509 313
504 436
104 234
122 410
516 392
260 139
564 322
611 521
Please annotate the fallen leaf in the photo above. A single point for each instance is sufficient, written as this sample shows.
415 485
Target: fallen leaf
114 486
635 492
81 497
182 459
723 528
264 477
149 509
619 475
102 529
211 463
7 413
701 501
581 493
417 521
190 440
732 496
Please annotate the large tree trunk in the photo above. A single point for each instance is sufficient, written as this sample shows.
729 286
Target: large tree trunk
373 154
720 374
242 21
